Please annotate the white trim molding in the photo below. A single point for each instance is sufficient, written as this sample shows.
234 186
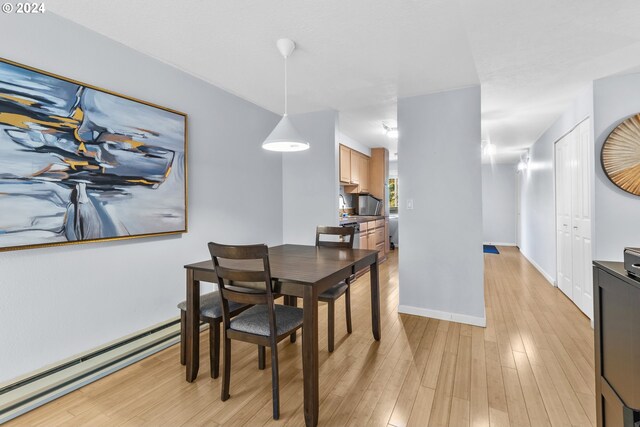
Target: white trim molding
443 315
499 244
540 270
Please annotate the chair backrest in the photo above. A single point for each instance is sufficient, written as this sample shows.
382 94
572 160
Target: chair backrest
238 269
342 232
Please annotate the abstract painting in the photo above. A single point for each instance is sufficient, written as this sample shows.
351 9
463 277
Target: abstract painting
79 163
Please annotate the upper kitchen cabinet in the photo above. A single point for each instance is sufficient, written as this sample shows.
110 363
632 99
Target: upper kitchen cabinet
355 167
354 170
364 173
345 165
379 174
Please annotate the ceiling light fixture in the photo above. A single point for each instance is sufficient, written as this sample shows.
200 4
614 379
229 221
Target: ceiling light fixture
391 131
489 149
523 164
284 137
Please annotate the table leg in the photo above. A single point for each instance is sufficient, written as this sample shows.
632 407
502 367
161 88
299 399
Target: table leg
310 356
375 300
193 328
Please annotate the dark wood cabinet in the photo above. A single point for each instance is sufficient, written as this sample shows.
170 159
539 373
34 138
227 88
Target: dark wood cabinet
617 345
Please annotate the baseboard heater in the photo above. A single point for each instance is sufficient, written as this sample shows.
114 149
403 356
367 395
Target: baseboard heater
38 388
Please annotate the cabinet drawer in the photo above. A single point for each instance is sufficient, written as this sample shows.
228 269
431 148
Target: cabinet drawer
379 223
364 226
371 225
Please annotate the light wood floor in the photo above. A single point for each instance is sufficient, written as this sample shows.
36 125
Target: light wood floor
531 366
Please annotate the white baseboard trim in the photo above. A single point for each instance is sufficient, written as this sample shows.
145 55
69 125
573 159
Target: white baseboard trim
443 315
540 270
499 244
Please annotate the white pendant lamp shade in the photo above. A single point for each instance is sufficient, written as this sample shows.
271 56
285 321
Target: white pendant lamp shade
284 137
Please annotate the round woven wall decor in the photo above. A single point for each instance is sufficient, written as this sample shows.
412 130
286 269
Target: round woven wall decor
621 155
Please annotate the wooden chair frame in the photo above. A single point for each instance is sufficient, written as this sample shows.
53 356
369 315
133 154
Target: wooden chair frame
293 301
231 290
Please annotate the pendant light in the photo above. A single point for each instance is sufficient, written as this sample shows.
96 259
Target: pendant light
284 137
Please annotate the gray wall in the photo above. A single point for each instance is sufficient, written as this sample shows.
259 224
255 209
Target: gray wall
499 203
617 213
310 184
441 262
57 302
537 188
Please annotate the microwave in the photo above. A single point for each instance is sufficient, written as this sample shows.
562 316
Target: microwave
369 205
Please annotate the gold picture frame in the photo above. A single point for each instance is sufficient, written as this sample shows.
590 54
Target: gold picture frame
66 138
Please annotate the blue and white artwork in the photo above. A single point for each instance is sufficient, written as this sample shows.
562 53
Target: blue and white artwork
81 164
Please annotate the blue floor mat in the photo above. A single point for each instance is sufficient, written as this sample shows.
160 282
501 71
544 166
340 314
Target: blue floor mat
490 249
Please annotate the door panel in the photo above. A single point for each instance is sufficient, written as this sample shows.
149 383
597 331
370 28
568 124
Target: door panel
574 171
563 218
582 232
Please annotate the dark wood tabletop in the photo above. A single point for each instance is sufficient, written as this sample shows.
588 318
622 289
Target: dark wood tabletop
300 271
306 265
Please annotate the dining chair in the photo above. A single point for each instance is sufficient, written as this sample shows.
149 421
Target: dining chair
265 323
211 313
342 288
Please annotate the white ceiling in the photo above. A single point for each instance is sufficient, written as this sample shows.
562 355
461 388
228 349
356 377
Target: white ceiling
359 56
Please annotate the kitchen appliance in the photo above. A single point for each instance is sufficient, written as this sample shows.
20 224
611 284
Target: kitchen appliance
368 205
632 261
356 232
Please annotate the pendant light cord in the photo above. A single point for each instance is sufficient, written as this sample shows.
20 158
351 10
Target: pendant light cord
285 86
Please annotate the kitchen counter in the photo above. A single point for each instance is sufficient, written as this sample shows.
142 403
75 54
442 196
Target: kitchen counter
359 219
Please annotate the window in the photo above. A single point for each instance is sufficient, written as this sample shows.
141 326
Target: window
393 195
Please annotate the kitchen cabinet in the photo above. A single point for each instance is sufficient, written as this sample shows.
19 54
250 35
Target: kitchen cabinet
363 240
364 236
375 237
379 174
345 164
386 236
355 167
364 174
354 170
371 235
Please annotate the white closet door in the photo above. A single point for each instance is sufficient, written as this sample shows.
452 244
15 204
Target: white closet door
574 169
563 215
581 220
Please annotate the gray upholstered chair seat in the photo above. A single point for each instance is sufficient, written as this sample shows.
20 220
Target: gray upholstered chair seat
255 320
210 305
334 292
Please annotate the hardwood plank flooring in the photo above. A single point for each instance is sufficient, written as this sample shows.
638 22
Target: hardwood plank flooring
531 366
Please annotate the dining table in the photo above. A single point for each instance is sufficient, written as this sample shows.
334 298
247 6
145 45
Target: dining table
297 271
